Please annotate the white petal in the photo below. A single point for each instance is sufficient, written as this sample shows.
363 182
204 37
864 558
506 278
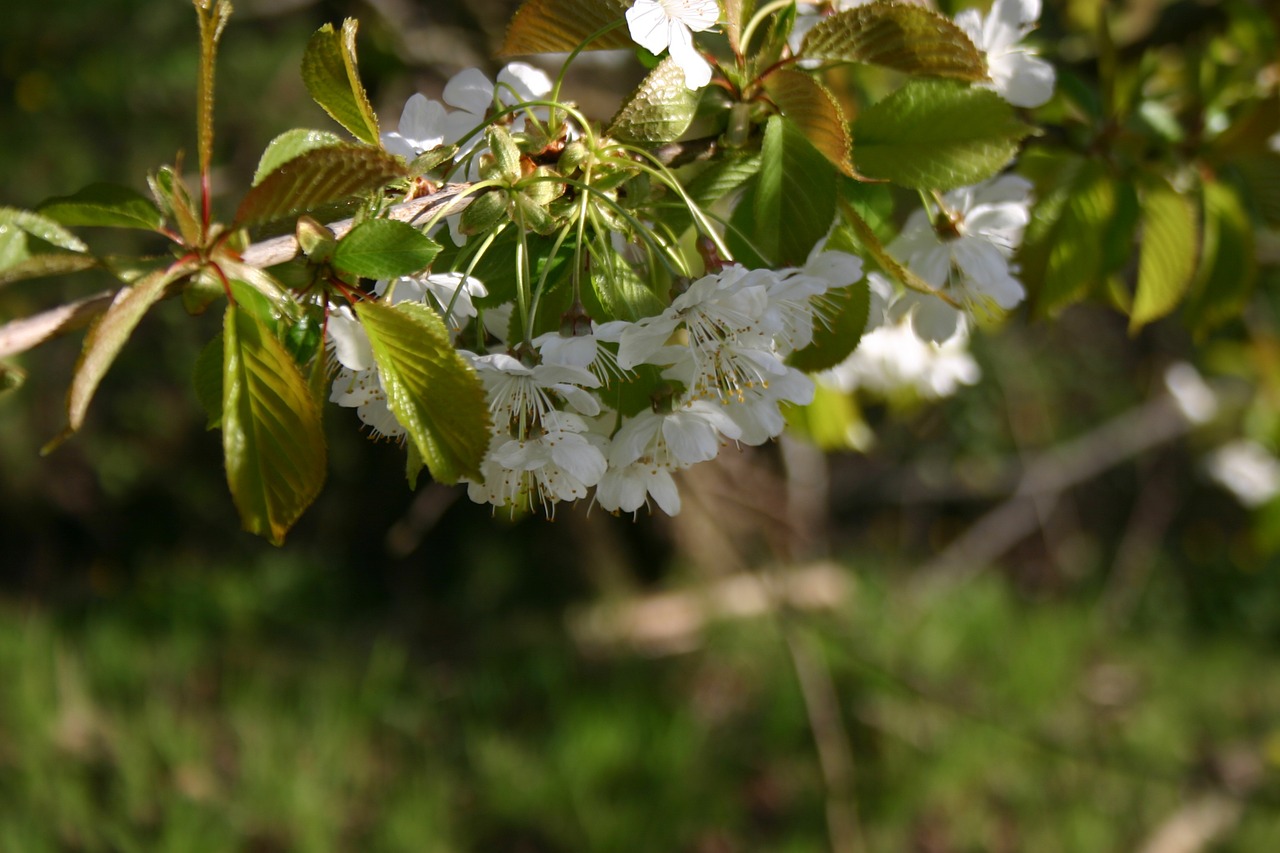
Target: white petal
649 25
697 71
520 82
469 90
664 491
1022 79
350 343
934 320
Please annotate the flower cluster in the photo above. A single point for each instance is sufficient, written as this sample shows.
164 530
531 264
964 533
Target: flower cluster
716 358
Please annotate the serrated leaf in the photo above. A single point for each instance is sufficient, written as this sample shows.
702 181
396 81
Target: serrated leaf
213 15
837 328
318 177
617 293
291 144
43 266
936 134
795 195
384 248
659 110
329 71
1228 261
272 437
43 227
22 334
559 26
715 182
1073 264
815 111
103 205
1167 256
432 392
174 201
107 336
902 36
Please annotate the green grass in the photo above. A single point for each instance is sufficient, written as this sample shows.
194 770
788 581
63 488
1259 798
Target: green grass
202 710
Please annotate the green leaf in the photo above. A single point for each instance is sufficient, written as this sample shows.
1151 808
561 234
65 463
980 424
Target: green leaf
815 111
715 182
174 201
384 248
213 16
795 196
206 379
432 392
1167 257
272 436
1228 261
938 135
43 266
559 26
107 336
832 421
902 36
1071 243
837 328
42 227
105 205
617 293
329 71
291 144
659 110
27 332
318 177
11 379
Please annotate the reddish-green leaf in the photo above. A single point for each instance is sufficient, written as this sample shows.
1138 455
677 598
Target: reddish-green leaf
272 437
318 177
559 26
902 36
21 335
329 71
433 393
815 111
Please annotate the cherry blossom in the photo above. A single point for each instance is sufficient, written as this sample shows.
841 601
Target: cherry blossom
658 25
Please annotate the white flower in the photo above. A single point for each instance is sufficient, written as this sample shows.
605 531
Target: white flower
969 261
657 25
796 294
557 463
358 384
449 293
629 487
893 357
1247 469
472 93
1022 78
688 434
422 127
584 350
523 398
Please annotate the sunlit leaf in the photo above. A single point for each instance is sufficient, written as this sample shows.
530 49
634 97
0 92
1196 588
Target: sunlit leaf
291 144
795 195
815 111
43 227
22 334
43 266
559 26
717 181
213 15
318 177
174 200
837 328
936 134
384 248
903 36
106 205
107 336
329 71
272 436
659 110
1071 243
1167 254
617 293
432 392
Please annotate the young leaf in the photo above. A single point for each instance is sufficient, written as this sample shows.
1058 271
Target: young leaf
42 227
659 110
318 177
815 111
1228 261
795 195
432 392
1167 258
559 26
213 16
106 205
175 202
384 248
329 71
291 144
45 265
272 436
22 334
107 336
902 36
1071 244
837 332
935 134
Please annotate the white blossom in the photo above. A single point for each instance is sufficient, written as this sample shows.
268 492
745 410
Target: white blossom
893 357
1247 469
1022 78
658 25
627 488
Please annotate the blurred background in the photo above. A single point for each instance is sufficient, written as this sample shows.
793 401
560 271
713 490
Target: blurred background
1025 615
